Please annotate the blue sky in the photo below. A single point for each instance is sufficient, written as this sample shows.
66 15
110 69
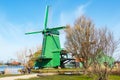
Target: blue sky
20 16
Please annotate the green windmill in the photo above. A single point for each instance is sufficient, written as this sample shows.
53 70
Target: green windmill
51 48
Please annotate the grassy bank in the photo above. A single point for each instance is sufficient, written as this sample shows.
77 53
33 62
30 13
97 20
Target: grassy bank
54 70
114 77
60 77
69 77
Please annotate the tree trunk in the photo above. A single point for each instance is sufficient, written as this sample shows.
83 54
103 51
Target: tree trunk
85 71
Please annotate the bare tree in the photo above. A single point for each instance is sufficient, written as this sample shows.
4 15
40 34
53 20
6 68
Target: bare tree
34 54
21 56
80 39
105 46
84 41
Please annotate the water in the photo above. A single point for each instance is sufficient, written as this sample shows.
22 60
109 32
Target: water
12 69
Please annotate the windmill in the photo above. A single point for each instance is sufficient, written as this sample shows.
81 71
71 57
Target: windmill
51 48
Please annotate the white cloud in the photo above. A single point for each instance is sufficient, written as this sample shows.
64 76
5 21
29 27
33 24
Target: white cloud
13 38
80 10
70 16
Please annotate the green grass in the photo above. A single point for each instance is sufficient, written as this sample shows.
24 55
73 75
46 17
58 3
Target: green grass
114 77
60 77
69 77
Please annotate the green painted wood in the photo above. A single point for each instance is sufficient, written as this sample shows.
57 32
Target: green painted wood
46 17
33 32
50 51
51 48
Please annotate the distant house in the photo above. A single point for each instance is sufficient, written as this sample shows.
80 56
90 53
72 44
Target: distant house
15 63
105 59
102 59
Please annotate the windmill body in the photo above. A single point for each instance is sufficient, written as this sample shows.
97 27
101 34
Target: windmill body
51 48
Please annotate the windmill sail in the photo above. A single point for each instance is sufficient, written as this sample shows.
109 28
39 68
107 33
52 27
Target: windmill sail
46 17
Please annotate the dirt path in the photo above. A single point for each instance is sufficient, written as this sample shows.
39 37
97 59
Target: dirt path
19 77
